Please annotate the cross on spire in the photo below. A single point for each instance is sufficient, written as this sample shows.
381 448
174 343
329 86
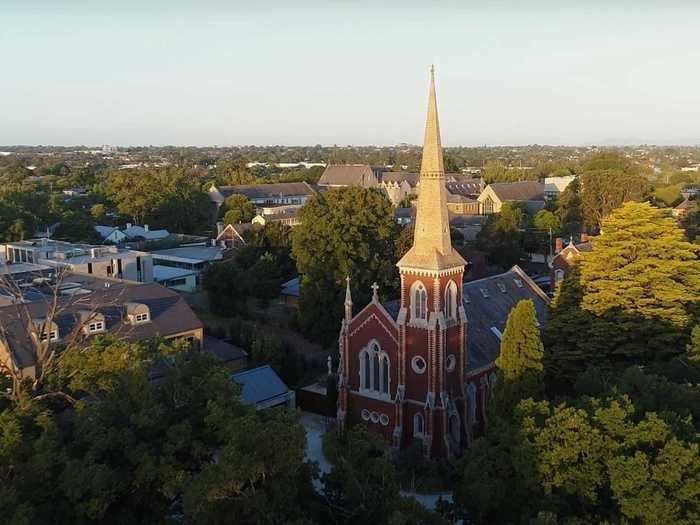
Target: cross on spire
375 289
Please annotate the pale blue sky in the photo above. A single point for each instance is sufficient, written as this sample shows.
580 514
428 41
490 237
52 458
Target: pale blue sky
308 72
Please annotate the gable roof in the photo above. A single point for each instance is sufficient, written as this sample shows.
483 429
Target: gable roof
348 175
526 190
133 232
268 191
489 310
169 315
260 385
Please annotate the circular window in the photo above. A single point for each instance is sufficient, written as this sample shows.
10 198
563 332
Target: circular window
384 419
418 364
365 414
451 363
375 417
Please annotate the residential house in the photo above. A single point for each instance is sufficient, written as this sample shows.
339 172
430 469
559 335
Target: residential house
110 234
289 293
131 232
231 235
554 186
565 257
263 388
682 211
100 261
285 214
496 194
193 258
265 194
88 307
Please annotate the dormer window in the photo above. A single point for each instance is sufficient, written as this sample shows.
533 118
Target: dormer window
46 332
92 322
138 313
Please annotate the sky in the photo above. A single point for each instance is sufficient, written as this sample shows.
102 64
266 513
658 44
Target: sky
328 72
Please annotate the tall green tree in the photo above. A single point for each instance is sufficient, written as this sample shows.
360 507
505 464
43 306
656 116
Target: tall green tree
345 232
633 301
237 208
569 209
519 363
603 190
501 237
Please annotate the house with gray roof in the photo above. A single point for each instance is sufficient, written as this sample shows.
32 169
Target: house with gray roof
496 194
264 194
263 388
343 175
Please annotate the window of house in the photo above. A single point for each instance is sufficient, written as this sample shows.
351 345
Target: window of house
451 363
501 286
140 318
97 326
559 275
51 336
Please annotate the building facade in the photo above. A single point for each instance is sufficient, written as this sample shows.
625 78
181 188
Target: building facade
403 375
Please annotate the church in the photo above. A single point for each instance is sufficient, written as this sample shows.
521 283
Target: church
408 369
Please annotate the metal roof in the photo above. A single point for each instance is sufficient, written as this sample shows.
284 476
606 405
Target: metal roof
260 384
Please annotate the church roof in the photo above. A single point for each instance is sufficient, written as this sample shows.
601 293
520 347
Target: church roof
432 247
348 175
487 303
526 190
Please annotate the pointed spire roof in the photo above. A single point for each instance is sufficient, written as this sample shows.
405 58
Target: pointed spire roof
432 247
348 295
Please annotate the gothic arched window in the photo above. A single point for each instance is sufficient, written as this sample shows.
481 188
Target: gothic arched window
364 370
375 369
451 300
385 375
419 301
418 425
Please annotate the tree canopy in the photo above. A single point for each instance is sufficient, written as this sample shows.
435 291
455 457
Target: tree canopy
345 232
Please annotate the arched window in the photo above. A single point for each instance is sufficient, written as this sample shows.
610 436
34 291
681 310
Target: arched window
559 275
418 425
364 365
385 375
419 303
375 369
451 300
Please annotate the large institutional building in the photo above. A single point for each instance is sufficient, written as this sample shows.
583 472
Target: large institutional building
404 367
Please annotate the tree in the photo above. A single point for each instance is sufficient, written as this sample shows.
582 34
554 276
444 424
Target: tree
98 212
604 190
569 209
346 232
632 301
142 452
546 220
501 236
519 363
237 208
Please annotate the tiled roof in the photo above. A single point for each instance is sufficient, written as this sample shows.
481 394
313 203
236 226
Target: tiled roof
269 191
487 303
223 351
527 190
348 175
169 315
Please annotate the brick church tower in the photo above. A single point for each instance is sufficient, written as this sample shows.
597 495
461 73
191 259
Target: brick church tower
402 365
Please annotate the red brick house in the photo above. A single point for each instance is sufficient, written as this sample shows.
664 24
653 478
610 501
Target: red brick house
566 257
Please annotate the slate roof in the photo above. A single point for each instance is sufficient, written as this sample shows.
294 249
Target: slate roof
400 176
491 309
484 312
165 273
526 190
260 384
223 351
169 314
348 175
466 188
269 191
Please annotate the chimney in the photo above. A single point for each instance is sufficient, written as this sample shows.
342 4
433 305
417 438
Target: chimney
128 225
93 253
145 227
584 237
219 228
213 242
558 245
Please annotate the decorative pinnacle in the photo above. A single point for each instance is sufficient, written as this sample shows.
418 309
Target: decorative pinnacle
432 69
375 295
348 295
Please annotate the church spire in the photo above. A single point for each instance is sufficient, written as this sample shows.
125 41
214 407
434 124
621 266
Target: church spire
432 248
